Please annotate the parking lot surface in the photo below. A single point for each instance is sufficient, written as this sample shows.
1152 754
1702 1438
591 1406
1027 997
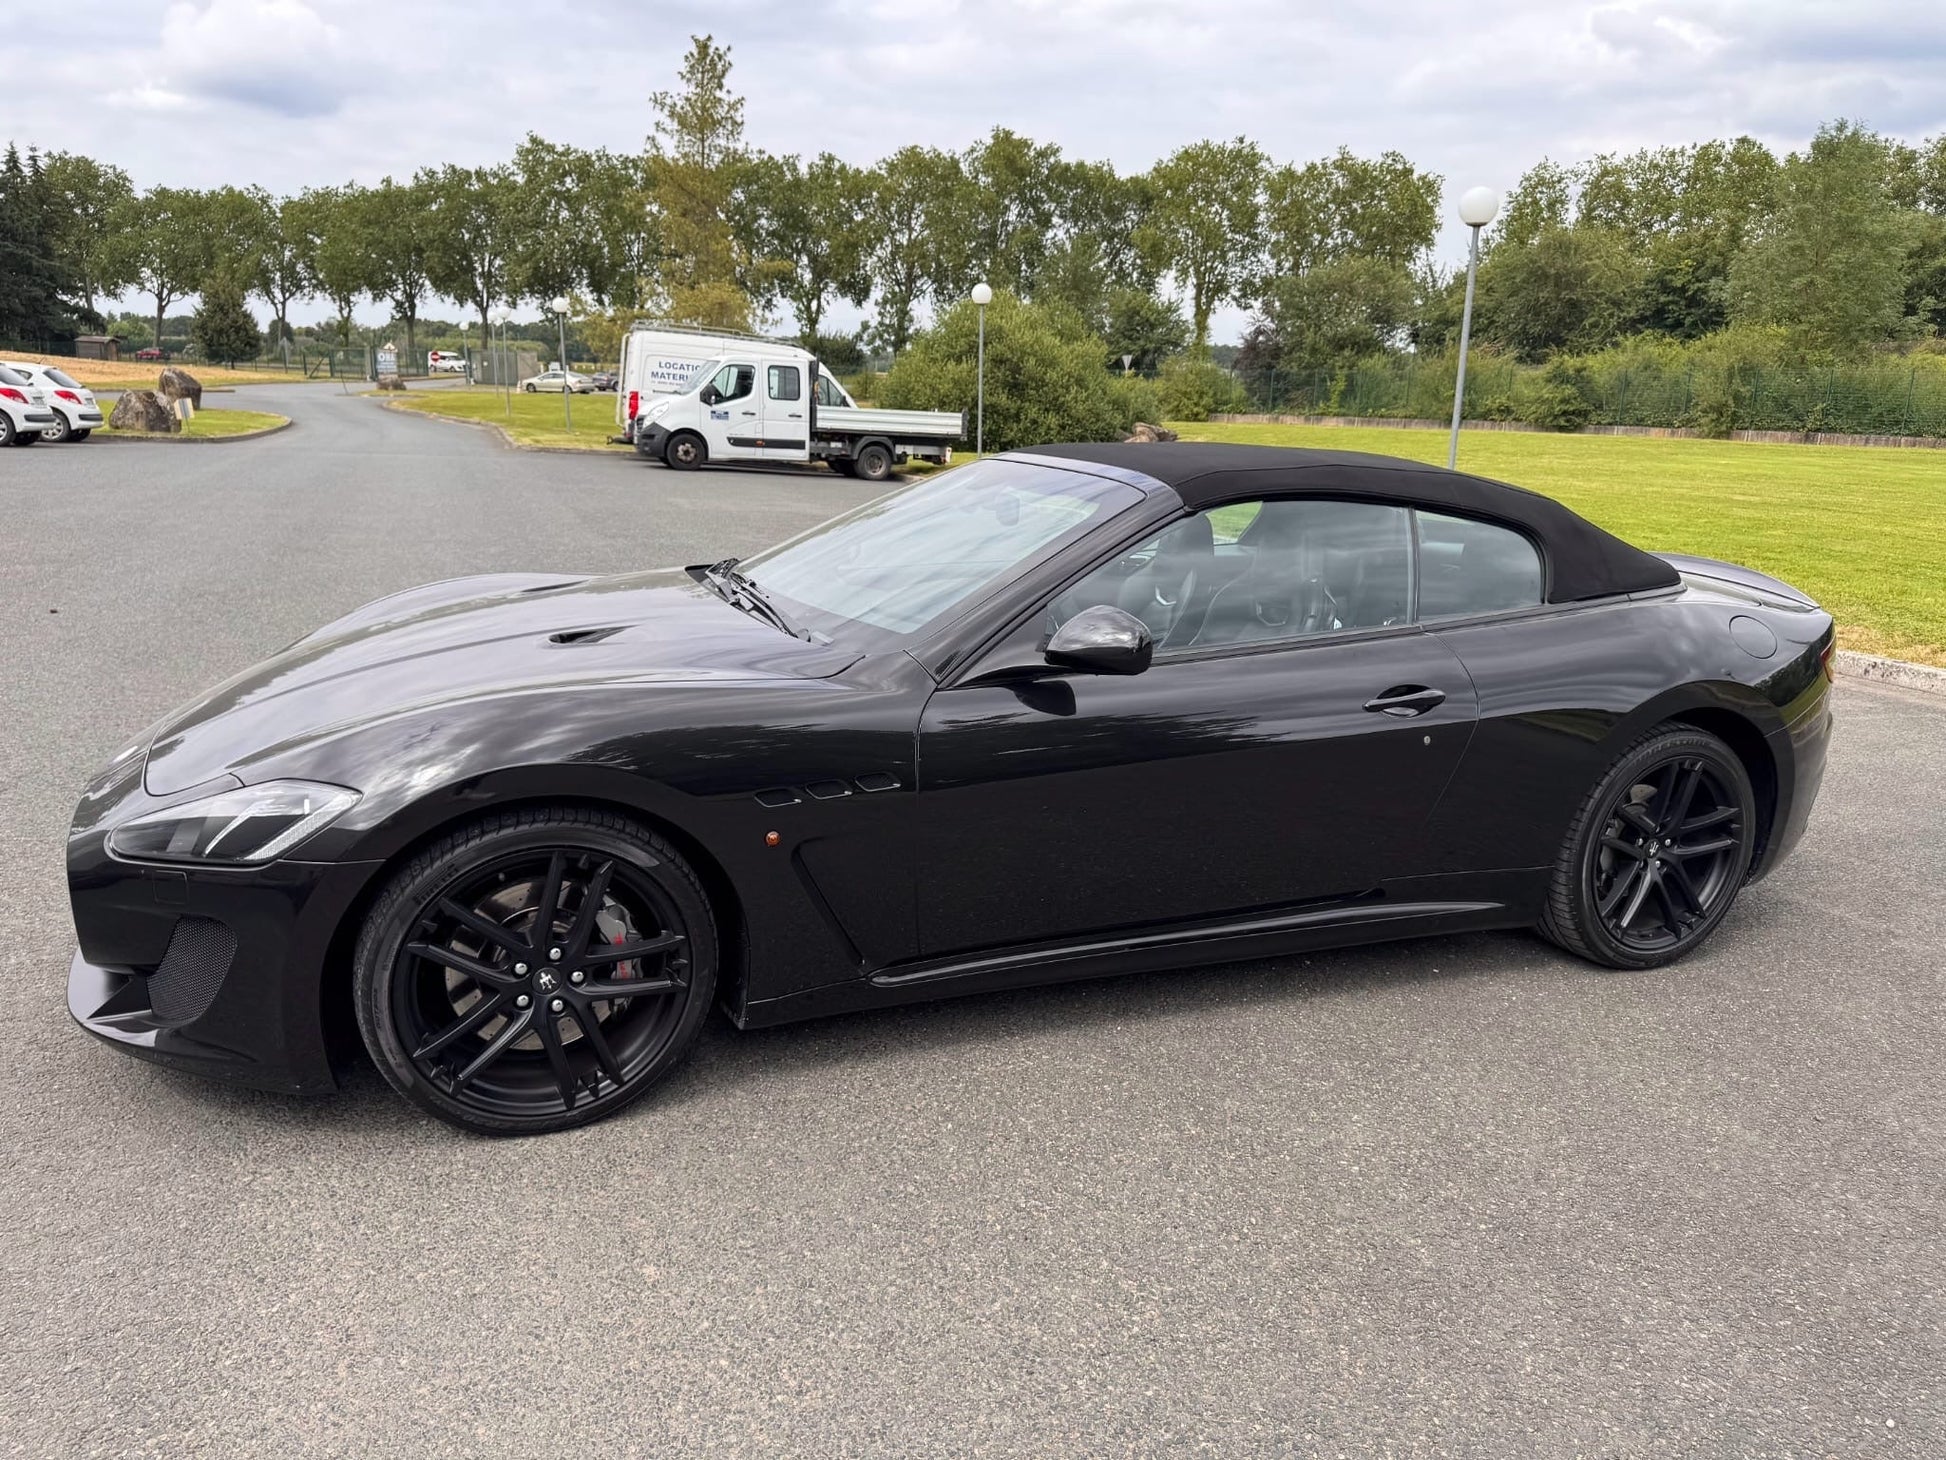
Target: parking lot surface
1456 1197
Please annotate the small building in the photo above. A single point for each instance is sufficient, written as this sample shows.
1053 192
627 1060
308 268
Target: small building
98 347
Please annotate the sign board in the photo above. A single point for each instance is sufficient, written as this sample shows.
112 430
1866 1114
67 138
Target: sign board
1127 360
388 359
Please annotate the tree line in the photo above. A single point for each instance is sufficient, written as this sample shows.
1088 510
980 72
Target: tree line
1841 247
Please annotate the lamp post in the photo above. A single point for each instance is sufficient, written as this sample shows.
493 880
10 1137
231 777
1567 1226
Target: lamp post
560 308
1476 209
982 296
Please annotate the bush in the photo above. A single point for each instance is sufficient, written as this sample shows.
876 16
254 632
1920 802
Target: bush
1044 380
1555 398
1195 390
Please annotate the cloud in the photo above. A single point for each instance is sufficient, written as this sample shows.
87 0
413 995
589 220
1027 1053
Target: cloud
279 57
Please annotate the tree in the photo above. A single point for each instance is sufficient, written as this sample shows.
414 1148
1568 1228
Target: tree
1001 223
1205 227
1348 207
1146 328
223 329
88 200
1543 199
162 247
473 234
1333 313
1044 380
815 231
708 269
32 302
910 249
587 225
331 222
394 221
1830 264
286 267
1568 289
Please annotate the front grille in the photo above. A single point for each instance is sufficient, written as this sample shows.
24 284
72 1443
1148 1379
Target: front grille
192 970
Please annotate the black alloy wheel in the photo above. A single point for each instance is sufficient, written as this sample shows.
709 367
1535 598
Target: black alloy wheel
538 970
686 451
873 464
1656 855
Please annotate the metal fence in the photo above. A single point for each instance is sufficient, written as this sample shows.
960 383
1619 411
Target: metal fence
1894 399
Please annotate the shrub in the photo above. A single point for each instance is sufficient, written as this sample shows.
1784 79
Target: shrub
1555 398
1044 379
223 329
1195 390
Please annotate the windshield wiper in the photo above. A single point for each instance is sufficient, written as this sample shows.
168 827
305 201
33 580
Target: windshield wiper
739 590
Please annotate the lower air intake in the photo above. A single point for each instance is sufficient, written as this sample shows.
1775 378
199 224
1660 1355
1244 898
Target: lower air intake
192 970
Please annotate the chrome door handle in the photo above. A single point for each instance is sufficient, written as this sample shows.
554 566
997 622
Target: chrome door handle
1405 700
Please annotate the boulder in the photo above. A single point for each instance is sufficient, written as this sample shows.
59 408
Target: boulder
1145 432
390 382
180 385
143 410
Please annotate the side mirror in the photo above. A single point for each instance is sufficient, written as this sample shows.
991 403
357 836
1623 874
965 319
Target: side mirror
1102 640
710 395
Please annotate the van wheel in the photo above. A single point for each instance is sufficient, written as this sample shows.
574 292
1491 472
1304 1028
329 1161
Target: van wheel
686 451
873 464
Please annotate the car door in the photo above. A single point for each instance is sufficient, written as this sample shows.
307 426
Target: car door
732 415
786 413
1287 745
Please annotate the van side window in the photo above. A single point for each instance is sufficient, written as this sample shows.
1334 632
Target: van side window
829 393
734 382
784 382
1468 567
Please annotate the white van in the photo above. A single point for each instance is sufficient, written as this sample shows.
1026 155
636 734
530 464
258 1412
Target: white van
761 400
658 359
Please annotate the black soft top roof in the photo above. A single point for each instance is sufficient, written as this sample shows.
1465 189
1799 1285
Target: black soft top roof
1582 560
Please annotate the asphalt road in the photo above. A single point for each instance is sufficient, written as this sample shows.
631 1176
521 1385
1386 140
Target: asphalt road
1460 1197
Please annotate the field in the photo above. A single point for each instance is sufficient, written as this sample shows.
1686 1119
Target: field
141 374
529 420
210 425
1861 529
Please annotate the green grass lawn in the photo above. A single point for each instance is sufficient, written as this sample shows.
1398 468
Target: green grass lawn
1861 529
531 420
212 424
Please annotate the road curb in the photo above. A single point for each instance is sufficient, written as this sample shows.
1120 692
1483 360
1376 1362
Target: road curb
162 438
1881 670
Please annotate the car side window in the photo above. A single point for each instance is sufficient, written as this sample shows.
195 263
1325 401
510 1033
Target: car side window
1254 572
784 382
734 382
1468 567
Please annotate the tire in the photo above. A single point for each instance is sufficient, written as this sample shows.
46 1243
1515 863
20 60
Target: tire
531 389
449 953
6 429
60 431
27 438
685 451
873 464
1643 876
84 433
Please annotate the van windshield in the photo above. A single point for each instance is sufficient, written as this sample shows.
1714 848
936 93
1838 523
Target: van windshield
703 372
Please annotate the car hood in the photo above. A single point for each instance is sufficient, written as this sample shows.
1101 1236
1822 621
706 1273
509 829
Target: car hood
476 639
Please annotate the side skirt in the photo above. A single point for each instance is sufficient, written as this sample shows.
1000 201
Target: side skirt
1340 926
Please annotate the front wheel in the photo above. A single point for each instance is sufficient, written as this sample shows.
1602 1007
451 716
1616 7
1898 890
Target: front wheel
1656 854
84 433
535 971
686 451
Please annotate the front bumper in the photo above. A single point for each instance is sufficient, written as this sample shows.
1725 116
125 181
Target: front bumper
234 973
650 439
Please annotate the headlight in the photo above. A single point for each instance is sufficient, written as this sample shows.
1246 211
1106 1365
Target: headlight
253 824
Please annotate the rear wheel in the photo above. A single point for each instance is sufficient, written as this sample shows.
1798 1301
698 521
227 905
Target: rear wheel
873 464
6 429
686 451
531 389
1656 854
538 970
59 431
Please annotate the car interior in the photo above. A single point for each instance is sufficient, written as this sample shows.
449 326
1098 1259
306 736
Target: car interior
1254 572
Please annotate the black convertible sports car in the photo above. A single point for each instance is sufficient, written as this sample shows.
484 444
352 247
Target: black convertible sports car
1052 715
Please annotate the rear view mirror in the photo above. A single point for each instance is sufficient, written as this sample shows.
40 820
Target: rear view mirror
710 395
1102 640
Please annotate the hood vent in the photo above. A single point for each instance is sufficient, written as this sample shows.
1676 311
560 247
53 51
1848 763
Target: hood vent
585 636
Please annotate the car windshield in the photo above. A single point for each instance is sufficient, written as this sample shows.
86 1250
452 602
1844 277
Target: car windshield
703 372
61 377
903 562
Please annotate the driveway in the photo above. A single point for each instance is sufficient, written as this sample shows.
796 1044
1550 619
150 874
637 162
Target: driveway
1456 1197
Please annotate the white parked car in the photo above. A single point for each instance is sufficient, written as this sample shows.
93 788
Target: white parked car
445 362
24 411
558 381
76 412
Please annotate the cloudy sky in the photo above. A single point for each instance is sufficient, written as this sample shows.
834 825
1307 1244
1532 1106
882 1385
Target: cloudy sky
289 93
